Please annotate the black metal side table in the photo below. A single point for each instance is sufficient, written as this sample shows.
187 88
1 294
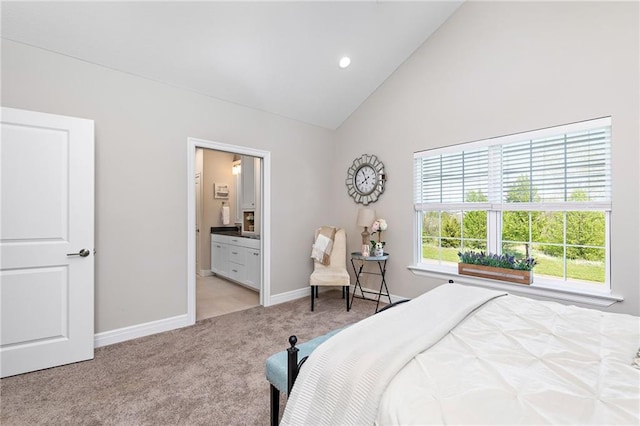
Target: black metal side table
357 257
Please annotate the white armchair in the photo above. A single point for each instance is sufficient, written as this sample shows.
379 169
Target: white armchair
335 273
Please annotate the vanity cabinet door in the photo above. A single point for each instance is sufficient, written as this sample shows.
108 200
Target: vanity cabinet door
253 268
236 258
219 258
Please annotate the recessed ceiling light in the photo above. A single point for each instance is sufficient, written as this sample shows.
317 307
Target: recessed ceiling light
344 62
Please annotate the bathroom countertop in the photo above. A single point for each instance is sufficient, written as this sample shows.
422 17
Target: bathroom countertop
233 231
252 236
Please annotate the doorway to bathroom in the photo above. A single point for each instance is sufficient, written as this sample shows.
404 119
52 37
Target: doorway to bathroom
228 217
228 228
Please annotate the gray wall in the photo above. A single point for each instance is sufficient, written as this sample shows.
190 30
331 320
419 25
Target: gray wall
494 69
141 130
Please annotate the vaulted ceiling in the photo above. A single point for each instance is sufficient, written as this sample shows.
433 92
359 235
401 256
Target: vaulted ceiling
279 57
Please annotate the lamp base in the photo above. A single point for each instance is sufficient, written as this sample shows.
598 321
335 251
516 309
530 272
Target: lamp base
365 250
365 236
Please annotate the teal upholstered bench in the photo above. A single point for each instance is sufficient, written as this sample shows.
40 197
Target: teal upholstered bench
282 368
278 366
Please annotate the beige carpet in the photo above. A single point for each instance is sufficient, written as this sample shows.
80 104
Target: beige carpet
209 374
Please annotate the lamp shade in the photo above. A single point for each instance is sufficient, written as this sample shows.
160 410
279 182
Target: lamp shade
365 217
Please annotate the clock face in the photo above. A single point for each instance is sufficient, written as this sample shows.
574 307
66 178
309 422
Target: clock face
365 179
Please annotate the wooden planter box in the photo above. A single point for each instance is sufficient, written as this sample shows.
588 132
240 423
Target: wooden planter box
502 274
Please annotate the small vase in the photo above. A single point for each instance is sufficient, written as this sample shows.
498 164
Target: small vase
378 251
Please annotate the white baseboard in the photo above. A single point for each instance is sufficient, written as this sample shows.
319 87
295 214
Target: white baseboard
205 273
304 292
146 329
296 294
276 299
140 330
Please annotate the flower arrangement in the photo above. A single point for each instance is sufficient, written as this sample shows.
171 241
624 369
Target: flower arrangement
378 226
497 260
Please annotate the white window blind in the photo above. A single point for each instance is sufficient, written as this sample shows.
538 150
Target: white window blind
559 168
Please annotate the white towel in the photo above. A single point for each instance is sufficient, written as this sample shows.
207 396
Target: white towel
224 214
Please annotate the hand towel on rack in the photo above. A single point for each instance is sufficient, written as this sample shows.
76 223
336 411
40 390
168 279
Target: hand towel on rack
224 215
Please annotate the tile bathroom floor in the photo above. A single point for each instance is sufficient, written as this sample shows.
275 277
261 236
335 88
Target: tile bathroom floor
216 296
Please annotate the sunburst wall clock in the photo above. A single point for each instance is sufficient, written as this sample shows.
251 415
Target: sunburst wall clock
365 179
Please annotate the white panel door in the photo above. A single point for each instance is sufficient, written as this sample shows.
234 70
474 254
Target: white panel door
46 241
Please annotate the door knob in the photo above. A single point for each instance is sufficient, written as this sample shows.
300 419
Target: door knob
81 253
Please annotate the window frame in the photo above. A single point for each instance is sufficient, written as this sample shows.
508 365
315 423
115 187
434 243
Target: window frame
561 288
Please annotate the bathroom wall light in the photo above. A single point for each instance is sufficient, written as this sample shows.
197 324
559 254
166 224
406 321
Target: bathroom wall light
236 167
236 164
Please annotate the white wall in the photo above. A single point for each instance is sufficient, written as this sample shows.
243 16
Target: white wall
141 130
492 69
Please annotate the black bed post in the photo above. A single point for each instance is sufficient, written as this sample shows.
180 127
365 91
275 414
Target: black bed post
292 363
275 406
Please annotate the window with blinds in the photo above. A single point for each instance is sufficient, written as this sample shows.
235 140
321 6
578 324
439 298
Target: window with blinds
545 193
546 171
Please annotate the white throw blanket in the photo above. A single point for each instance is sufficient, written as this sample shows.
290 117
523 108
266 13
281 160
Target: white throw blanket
343 381
323 245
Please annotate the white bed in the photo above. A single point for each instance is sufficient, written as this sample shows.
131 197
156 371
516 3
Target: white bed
464 355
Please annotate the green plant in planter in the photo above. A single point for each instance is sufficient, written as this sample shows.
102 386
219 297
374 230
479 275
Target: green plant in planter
497 260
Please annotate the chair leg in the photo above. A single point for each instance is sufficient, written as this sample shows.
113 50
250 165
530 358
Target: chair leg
346 288
343 292
275 405
313 293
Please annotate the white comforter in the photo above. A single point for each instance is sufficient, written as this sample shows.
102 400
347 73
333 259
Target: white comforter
343 380
519 361
510 361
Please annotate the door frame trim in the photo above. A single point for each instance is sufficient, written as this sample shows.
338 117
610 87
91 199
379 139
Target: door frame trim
265 205
198 256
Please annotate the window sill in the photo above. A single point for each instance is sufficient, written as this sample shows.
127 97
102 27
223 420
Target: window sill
595 299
